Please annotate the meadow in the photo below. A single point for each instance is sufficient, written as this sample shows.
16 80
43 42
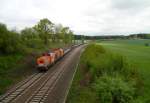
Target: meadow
138 55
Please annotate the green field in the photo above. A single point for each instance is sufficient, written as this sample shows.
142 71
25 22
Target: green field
137 54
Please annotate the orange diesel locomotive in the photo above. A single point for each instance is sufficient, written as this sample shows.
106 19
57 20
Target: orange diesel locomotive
49 58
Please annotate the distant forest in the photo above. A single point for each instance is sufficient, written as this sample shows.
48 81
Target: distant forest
131 36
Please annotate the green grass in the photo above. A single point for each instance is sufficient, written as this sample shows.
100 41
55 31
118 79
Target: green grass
137 55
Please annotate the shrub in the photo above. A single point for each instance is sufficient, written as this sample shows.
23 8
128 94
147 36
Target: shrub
146 44
114 90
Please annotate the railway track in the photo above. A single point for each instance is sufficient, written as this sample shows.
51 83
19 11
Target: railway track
20 88
35 89
41 94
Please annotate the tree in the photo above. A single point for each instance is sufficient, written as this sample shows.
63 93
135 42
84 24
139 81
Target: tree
9 41
28 33
71 37
45 29
65 32
67 35
58 32
3 37
82 38
29 37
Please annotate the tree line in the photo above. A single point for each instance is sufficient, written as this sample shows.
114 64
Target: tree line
130 36
140 35
12 41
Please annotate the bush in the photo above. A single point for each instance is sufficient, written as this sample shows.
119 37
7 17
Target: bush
114 90
146 44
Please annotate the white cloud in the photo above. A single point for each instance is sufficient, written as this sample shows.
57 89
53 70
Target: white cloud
92 17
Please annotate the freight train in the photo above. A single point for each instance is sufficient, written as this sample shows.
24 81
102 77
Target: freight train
51 57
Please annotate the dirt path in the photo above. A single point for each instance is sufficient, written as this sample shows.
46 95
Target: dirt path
49 87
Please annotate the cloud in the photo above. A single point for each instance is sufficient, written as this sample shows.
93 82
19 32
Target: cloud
93 17
130 4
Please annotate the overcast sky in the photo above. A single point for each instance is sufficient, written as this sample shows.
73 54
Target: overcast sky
88 17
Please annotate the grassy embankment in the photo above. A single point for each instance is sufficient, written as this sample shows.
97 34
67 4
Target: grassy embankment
104 77
137 54
15 67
